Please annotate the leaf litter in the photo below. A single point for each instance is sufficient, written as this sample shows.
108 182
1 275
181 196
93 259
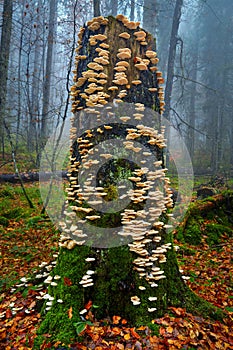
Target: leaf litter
210 272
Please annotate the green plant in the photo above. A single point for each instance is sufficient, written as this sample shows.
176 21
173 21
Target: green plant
81 326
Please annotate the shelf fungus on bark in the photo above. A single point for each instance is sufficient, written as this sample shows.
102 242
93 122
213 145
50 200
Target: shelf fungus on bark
100 78
124 35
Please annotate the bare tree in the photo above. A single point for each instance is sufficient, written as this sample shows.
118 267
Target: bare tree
4 61
172 56
149 15
96 4
48 72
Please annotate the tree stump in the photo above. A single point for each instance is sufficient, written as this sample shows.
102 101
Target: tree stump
116 61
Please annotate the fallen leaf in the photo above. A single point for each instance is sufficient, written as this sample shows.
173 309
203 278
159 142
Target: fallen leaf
67 281
70 312
8 313
116 319
88 305
127 336
169 329
134 334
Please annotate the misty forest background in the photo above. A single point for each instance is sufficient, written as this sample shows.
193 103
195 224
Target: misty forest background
38 41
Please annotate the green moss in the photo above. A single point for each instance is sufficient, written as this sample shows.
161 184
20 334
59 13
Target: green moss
215 232
4 221
7 191
70 266
211 217
13 213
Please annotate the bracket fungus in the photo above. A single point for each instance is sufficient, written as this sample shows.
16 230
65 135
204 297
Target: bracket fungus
109 73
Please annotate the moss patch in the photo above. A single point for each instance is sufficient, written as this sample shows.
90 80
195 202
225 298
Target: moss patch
210 218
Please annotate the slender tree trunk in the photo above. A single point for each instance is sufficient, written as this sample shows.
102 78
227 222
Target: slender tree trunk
114 7
138 280
149 15
132 10
35 92
19 77
48 71
172 56
192 109
96 5
4 62
171 65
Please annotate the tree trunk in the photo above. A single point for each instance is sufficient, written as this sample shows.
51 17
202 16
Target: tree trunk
138 279
132 10
114 7
96 4
171 64
149 15
48 72
4 61
192 109
35 94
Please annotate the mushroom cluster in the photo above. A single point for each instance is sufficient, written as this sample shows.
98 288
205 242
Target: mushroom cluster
92 84
105 73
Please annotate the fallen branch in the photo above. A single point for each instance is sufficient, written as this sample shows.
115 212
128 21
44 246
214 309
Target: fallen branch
28 177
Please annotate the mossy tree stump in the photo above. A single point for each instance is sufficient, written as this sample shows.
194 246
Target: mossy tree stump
116 61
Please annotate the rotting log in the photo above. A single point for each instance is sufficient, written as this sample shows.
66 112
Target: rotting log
136 282
28 177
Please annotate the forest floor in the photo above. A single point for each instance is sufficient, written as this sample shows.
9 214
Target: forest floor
28 239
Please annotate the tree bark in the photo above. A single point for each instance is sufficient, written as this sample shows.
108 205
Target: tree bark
35 94
192 109
149 15
172 57
114 7
4 61
171 64
48 72
96 4
117 279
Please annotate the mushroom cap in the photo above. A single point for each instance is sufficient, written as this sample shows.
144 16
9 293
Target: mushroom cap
101 60
104 45
136 82
123 63
120 68
124 35
112 88
141 66
132 25
120 81
120 17
151 54
124 55
100 37
140 33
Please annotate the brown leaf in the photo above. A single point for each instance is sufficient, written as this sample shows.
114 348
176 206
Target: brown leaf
116 319
70 312
8 313
32 305
88 305
134 334
67 281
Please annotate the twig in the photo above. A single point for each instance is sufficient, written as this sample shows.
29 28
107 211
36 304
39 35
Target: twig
190 126
196 82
